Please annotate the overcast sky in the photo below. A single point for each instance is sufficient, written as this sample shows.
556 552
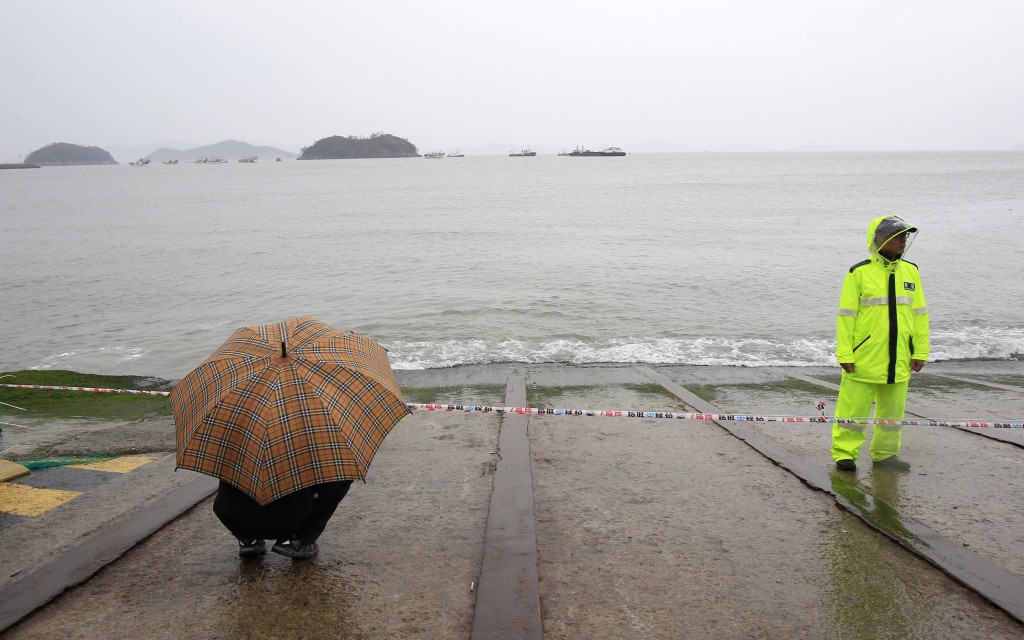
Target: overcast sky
643 75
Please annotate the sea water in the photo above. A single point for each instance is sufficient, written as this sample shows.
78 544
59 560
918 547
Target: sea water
702 258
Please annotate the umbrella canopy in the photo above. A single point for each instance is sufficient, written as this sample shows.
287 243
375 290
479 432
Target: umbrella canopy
284 406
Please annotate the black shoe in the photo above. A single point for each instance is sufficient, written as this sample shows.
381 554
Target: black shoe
846 465
251 548
295 549
894 463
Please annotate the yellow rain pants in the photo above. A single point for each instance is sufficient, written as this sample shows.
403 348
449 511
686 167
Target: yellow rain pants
855 400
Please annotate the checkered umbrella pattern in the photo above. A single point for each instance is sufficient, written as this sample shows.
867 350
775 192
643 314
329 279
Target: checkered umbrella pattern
280 407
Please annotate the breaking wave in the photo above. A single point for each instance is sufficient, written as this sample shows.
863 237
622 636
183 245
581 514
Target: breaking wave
967 343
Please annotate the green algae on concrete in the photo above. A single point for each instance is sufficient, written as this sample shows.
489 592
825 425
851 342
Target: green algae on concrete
485 394
44 403
642 397
713 392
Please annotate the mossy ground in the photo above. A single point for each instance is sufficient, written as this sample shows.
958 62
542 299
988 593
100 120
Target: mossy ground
712 392
548 397
40 403
489 395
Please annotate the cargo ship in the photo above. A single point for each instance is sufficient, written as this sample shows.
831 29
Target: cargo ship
524 152
581 152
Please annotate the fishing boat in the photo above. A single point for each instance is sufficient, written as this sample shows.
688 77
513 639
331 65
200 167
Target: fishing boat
250 159
457 154
580 152
171 161
434 154
522 153
141 162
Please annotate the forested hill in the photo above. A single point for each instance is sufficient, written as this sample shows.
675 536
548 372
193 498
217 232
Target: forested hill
65 154
379 145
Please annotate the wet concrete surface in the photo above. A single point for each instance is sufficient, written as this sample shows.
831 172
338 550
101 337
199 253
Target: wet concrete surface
645 529
966 487
399 559
685 534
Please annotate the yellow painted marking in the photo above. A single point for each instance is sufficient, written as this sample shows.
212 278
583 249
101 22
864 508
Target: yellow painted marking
11 470
124 464
23 500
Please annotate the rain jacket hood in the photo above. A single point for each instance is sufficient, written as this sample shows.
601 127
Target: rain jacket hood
882 231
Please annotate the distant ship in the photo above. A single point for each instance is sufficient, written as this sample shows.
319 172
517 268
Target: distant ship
141 162
249 159
457 154
524 152
587 153
434 154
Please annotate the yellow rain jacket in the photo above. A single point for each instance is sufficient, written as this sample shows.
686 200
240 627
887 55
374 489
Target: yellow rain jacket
883 318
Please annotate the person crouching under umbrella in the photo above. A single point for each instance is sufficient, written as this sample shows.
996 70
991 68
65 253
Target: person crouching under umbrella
295 521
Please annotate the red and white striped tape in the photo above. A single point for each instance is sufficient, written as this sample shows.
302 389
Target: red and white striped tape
600 413
618 413
90 389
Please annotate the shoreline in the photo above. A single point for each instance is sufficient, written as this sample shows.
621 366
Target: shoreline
981 374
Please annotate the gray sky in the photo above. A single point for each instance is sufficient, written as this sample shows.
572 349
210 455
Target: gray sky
643 75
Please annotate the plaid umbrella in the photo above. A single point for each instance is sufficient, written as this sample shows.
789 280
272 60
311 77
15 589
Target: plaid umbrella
283 406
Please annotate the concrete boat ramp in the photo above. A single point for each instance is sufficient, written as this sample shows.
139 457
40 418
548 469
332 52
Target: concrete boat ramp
477 525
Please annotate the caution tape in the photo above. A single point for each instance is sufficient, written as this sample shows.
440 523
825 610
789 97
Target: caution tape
90 389
618 413
672 415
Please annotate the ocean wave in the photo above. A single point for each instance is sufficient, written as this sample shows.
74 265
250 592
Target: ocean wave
98 358
978 343
963 343
971 343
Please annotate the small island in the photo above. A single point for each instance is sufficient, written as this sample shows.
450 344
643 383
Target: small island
378 145
63 154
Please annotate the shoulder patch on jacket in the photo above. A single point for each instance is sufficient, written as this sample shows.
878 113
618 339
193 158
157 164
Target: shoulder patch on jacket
860 264
914 264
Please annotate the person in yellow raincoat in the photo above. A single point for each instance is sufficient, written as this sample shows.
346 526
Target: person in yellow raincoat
881 336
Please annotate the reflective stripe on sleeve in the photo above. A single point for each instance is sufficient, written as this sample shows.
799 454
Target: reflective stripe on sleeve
920 311
848 312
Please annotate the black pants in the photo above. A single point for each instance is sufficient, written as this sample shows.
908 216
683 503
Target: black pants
303 514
